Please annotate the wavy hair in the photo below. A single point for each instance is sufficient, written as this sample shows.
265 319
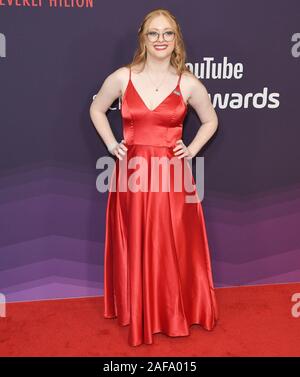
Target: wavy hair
178 57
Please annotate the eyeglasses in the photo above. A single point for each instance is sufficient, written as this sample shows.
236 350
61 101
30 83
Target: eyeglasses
167 35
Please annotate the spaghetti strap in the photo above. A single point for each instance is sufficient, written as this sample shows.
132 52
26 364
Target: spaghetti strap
129 73
179 79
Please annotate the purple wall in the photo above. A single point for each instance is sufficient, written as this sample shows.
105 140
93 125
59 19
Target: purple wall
53 60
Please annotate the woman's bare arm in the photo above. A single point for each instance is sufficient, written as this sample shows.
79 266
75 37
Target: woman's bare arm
108 93
200 101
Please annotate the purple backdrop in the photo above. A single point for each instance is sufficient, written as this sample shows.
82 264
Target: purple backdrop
54 59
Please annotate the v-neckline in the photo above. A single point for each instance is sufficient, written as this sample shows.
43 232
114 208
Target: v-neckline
160 104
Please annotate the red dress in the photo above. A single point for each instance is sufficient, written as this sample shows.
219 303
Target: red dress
157 269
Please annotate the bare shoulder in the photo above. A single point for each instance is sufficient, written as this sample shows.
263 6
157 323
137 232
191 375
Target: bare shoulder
192 86
111 89
191 82
119 75
122 76
116 81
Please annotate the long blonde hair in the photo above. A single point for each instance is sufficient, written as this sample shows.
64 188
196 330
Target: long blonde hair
178 57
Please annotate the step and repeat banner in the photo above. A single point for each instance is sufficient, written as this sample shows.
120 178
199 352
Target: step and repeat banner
54 57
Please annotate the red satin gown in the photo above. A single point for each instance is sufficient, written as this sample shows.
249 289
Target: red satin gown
157 269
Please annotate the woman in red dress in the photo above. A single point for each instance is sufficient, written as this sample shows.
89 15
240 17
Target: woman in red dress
157 269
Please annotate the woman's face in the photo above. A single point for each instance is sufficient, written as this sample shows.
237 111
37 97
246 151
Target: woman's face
160 41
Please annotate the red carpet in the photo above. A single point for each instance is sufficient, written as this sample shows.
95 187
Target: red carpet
254 321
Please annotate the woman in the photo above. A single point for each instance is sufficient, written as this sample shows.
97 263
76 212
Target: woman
157 270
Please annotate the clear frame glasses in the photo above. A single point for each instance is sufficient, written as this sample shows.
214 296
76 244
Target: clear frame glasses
168 36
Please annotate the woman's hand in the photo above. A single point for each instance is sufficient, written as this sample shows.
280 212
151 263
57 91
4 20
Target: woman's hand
182 150
118 149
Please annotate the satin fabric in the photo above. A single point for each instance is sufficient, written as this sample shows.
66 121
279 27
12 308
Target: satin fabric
157 268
